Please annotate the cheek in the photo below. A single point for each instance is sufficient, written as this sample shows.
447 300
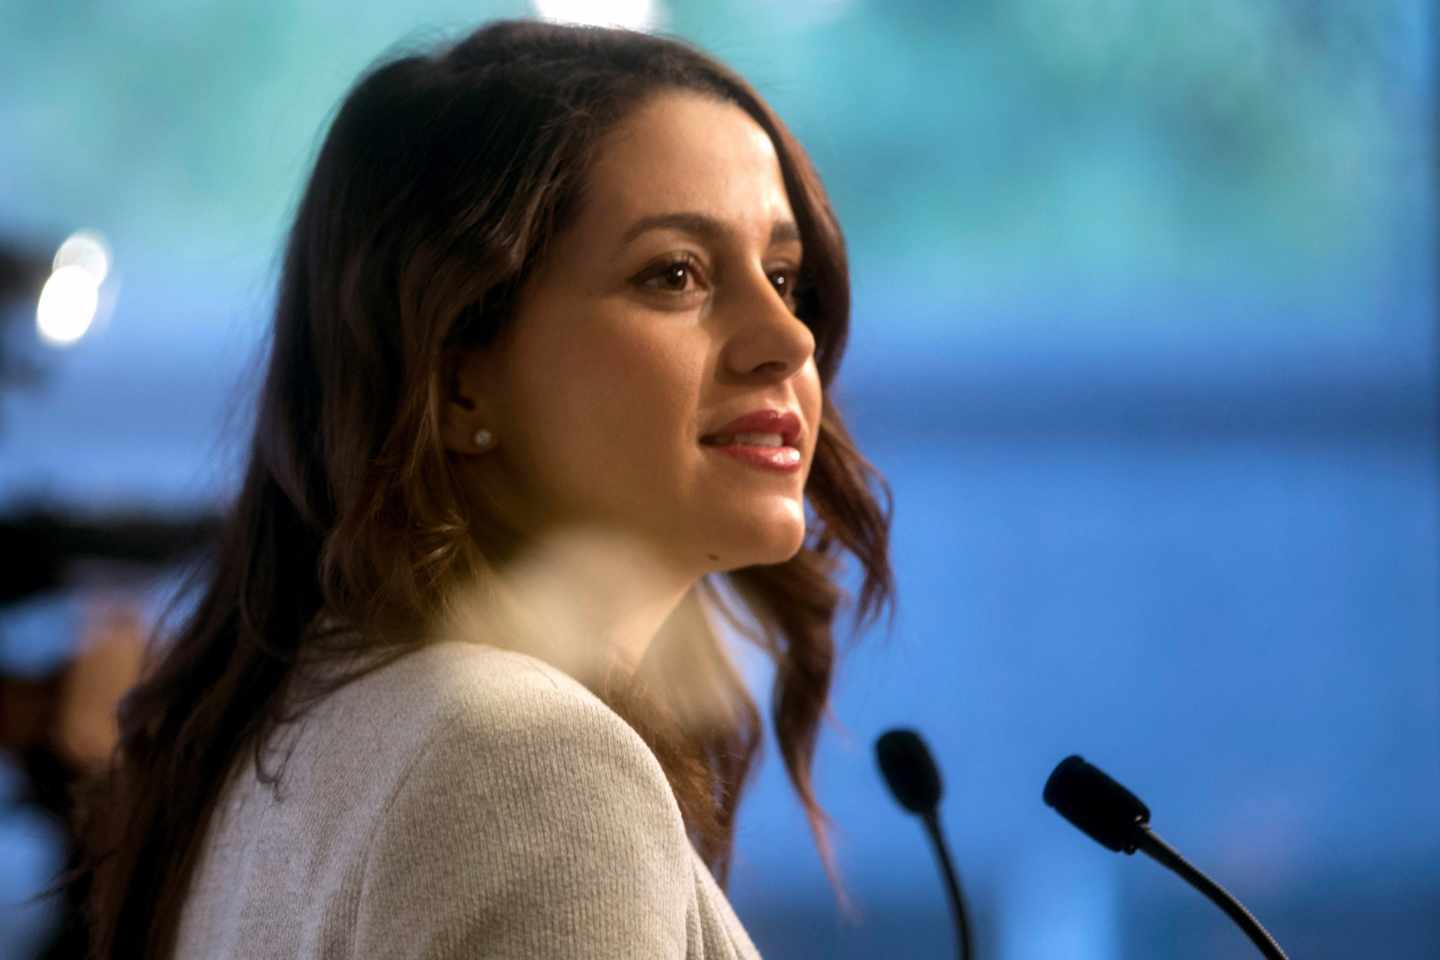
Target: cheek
614 399
809 388
648 394
810 395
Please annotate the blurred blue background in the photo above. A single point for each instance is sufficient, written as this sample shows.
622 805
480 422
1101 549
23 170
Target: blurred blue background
1144 341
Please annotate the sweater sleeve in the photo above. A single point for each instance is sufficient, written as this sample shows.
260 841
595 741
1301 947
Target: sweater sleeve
546 829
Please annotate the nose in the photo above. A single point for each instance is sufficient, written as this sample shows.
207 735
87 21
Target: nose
766 337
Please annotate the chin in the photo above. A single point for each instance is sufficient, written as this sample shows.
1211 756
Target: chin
775 544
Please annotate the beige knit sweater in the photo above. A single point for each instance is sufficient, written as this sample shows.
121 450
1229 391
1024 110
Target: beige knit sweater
463 801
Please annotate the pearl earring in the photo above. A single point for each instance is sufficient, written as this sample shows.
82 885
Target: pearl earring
484 439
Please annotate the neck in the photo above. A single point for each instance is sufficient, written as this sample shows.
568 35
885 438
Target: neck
590 601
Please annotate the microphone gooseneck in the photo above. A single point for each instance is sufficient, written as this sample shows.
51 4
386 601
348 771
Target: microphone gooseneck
1115 818
913 778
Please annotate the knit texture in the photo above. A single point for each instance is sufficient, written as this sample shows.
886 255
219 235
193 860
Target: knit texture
462 802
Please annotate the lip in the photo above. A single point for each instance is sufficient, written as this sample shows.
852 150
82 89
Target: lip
783 422
774 459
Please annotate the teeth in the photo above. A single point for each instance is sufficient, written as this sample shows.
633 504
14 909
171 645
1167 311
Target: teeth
749 439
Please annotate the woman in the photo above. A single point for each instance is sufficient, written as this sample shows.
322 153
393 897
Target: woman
451 687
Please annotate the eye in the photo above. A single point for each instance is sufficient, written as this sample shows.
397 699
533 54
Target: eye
787 284
673 275
678 273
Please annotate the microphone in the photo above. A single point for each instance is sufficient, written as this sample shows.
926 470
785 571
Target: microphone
914 780
1115 818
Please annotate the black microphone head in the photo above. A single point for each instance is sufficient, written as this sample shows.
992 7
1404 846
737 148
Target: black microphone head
909 770
1089 799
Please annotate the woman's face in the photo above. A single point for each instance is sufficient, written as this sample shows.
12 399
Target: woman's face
661 315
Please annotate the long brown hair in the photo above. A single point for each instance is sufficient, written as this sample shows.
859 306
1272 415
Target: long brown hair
433 197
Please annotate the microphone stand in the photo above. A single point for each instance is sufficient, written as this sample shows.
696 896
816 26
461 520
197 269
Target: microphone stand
1118 820
914 779
1167 856
952 885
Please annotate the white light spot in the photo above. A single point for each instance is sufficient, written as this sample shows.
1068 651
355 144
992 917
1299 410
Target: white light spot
67 305
631 14
86 249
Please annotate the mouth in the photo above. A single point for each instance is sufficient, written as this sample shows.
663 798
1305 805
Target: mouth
760 441
760 450
762 428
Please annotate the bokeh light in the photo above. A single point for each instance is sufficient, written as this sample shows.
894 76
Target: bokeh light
67 305
88 250
633 14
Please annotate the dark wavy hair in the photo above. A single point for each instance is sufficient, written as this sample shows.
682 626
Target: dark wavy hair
434 195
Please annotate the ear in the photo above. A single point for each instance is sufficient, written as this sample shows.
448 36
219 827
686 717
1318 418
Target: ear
467 401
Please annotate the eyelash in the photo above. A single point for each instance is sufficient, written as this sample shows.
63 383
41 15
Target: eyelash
692 264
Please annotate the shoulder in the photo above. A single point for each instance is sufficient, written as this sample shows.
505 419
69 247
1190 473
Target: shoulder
454 667
411 695
447 709
515 716
525 805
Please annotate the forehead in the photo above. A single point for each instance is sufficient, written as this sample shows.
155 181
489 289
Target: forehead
687 151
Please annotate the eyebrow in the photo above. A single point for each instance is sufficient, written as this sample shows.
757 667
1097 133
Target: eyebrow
703 225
